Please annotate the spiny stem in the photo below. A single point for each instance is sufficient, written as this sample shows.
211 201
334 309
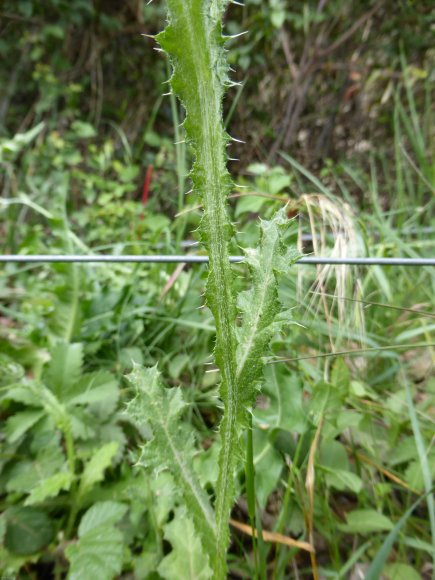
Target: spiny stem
194 43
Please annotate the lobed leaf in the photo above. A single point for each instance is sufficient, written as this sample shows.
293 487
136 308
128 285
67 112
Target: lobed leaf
50 487
97 554
260 305
97 465
172 446
187 560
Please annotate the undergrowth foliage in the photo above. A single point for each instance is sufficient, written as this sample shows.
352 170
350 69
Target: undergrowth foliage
194 42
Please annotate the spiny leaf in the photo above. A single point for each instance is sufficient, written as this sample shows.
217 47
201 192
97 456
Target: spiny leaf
172 447
187 561
195 45
261 308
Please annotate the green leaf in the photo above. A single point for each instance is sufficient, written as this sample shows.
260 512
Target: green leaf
281 410
99 391
19 141
325 398
268 464
83 130
27 474
50 487
97 554
366 522
250 204
283 407
23 392
398 571
103 513
187 560
99 550
20 423
65 368
95 468
28 530
343 480
172 446
260 306
332 455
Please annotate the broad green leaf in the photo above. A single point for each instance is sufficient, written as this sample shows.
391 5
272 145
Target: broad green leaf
187 560
97 554
281 410
398 571
250 204
166 496
268 464
342 480
325 398
20 423
27 474
22 392
283 407
404 451
50 487
332 455
28 530
96 466
103 513
172 446
146 564
53 407
80 128
415 476
65 368
99 391
366 522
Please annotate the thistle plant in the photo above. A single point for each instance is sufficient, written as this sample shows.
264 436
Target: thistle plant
194 42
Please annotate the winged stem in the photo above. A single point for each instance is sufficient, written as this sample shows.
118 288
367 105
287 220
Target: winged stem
194 43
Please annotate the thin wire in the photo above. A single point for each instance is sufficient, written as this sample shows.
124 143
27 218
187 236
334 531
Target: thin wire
352 352
175 259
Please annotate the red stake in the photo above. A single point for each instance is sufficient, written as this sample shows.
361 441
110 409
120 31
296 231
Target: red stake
146 185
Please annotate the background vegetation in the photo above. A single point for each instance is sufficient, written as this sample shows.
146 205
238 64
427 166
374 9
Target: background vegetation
334 104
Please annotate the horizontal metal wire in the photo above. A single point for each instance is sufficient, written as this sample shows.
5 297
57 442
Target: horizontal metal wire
174 259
